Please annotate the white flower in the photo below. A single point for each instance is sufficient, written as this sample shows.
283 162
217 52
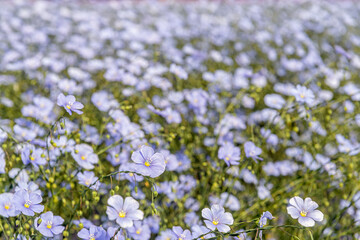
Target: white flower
304 211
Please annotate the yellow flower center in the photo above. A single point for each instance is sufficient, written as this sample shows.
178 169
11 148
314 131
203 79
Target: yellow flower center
122 214
147 164
68 106
138 232
302 95
227 158
26 205
131 174
49 225
215 222
32 158
83 157
7 207
303 213
87 183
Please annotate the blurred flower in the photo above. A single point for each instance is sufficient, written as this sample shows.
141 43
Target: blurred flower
263 219
93 233
69 103
139 231
88 179
303 95
229 153
180 234
252 151
7 206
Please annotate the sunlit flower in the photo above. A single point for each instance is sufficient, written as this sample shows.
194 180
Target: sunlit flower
304 211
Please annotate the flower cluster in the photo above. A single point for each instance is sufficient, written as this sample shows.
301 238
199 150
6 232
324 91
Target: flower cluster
154 121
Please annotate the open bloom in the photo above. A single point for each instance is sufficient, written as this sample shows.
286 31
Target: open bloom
252 151
230 154
180 234
84 155
69 103
7 207
304 211
34 156
89 179
28 203
303 95
50 225
124 212
93 233
217 218
148 163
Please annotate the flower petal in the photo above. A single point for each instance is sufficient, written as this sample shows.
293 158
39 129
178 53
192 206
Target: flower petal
316 215
306 221
294 212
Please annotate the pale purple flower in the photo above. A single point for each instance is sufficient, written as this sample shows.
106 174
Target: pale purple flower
171 116
274 101
178 71
139 231
217 218
88 179
124 212
252 151
180 234
229 153
303 95
69 103
113 232
93 233
7 206
28 203
50 225
304 211
84 155
2 160
148 163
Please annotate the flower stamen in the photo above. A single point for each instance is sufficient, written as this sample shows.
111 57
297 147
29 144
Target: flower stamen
303 213
122 214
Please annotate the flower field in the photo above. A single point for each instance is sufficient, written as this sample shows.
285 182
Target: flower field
156 120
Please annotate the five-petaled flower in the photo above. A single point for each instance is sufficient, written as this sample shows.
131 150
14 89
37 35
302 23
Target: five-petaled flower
217 218
28 203
7 207
252 151
230 154
148 163
304 211
124 212
50 225
69 103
